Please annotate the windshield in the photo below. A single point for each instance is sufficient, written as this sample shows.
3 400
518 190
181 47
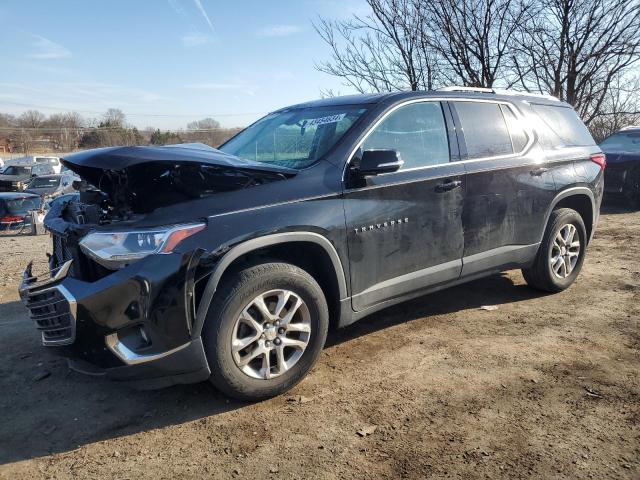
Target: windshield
13 170
294 138
628 142
49 182
21 206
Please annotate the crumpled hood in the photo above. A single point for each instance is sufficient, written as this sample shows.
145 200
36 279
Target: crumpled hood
119 158
141 179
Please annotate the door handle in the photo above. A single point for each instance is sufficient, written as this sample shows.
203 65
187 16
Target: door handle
448 186
536 172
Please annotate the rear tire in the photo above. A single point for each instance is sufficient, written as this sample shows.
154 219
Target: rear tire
632 188
264 330
561 253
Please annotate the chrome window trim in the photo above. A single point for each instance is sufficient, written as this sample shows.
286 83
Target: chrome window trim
450 175
528 131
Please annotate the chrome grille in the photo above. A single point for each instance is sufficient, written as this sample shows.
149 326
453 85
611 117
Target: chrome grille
61 253
52 308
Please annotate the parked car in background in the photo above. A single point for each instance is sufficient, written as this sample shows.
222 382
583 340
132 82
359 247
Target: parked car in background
54 162
191 263
623 164
52 185
15 178
15 208
56 202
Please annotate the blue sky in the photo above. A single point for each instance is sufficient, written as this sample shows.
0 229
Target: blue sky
164 62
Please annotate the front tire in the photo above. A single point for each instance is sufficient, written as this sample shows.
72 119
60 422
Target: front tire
561 253
264 330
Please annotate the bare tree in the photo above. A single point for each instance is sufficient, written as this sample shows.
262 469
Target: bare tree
474 37
207 130
114 117
204 124
65 129
578 50
32 119
582 51
620 108
382 51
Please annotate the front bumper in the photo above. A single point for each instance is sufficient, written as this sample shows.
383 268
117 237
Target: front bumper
133 325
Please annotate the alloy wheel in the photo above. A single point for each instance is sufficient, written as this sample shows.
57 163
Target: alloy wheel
565 251
271 334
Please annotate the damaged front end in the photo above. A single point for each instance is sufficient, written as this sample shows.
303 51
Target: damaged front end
120 297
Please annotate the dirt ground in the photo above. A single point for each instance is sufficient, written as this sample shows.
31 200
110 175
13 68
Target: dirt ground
544 386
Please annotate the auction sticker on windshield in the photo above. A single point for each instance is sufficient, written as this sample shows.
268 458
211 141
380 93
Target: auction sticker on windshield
322 120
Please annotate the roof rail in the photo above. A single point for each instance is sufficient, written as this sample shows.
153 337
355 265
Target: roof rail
456 88
496 91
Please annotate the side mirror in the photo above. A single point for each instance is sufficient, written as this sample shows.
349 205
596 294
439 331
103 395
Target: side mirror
375 162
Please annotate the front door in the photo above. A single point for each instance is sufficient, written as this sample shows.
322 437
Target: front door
404 228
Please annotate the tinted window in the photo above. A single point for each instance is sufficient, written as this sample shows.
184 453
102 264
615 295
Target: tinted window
626 142
41 182
516 130
13 170
417 132
21 206
294 138
485 131
561 126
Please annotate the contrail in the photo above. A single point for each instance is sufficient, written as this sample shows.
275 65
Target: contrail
204 13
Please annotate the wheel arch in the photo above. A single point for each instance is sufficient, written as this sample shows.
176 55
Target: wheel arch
286 247
580 199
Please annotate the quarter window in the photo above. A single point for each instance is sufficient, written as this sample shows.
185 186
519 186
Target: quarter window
417 132
485 131
562 127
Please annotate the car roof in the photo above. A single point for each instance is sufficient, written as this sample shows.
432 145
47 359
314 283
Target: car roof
16 195
393 97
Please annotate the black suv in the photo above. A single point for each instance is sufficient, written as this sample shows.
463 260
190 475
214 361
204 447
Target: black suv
186 263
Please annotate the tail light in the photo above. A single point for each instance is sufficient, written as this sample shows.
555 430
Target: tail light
11 219
600 159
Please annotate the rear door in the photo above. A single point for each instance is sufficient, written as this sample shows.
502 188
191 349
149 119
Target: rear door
509 186
404 228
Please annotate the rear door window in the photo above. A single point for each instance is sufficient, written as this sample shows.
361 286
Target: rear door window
561 127
519 137
417 132
484 128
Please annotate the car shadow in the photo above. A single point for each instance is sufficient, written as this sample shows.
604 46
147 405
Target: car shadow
49 409
495 290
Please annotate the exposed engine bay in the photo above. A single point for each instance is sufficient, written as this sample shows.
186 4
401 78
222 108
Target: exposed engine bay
121 186
144 187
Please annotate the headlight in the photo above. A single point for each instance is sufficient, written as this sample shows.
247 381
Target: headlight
117 249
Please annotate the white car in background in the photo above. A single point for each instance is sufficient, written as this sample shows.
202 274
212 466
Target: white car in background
36 159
